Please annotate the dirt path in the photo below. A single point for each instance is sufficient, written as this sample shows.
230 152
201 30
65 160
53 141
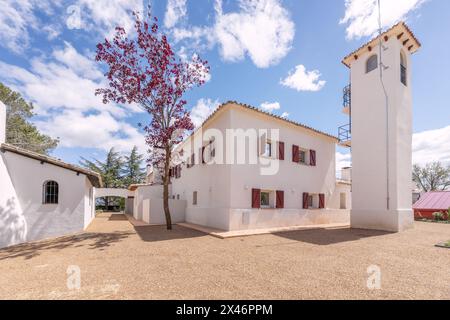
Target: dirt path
119 261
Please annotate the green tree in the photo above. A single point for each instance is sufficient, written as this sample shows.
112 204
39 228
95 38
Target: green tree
433 177
133 173
19 131
110 171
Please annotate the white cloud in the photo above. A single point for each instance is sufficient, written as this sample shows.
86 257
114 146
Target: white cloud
285 115
343 160
18 18
432 145
428 146
176 10
76 129
104 15
267 106
202 110
362 15
262 29
63 91
302 80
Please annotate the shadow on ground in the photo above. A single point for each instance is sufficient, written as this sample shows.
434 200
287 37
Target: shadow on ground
118 217
325 237
160 233
92 241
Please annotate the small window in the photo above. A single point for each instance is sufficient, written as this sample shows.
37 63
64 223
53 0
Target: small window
268 149
50 192
212 148
194 198
302 157
403 69
343 202
265 199
310 201
372 63
178 197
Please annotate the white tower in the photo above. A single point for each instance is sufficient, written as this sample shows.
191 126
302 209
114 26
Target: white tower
380 110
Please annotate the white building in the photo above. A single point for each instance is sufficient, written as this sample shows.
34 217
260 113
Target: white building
41 197
258 171
381 130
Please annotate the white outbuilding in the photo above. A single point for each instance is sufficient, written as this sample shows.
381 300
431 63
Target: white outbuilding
40 196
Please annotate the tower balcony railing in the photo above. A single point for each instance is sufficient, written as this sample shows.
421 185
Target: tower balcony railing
345 135
347 96
347 99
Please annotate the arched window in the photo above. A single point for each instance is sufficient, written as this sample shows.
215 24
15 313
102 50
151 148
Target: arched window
372 63
50 192
403 69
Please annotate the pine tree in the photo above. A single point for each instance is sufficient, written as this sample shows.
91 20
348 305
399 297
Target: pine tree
20 132
110 171
133 173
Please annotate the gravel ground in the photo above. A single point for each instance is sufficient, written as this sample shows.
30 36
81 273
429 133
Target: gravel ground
119 261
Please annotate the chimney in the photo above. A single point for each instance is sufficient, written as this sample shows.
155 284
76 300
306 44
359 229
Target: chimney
2 123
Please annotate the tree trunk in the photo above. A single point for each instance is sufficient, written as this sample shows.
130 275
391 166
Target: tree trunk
166 181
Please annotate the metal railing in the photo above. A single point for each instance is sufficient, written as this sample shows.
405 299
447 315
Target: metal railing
344 133
347 96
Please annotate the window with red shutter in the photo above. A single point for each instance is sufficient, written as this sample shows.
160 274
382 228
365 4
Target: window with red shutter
295 154
280 199
281 150
312 157
321 201
305 200
256 198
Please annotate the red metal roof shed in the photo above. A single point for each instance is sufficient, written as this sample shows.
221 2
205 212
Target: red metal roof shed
432 202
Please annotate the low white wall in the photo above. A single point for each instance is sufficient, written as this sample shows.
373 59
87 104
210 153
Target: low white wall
244 219
217 218
142 193
153 211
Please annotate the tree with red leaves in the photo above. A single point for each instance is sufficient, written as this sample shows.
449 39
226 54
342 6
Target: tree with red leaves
144 69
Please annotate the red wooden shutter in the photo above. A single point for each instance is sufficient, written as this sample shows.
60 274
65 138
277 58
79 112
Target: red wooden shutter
280 199
295 154
281 150
256 198
321 201
305 200
312 156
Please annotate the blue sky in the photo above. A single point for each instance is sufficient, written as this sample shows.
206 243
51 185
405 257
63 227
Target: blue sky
282 55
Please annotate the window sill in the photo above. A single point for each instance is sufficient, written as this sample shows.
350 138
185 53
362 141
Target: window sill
268 158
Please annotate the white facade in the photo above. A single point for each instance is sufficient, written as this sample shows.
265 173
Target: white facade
381 140
23 214
223 192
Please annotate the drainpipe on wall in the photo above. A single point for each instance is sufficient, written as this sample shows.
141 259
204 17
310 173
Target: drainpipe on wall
386 106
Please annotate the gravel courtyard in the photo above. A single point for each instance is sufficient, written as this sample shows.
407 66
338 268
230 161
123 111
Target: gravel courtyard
119 261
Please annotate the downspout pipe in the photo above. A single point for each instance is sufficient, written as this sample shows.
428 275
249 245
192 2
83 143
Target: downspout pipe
386 107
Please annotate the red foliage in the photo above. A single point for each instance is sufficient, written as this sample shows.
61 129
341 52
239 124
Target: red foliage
143 69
